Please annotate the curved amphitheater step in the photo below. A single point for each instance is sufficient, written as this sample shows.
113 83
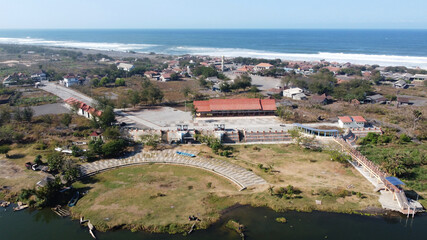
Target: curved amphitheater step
240 176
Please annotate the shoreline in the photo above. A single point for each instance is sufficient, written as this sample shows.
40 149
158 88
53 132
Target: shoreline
412 62
183 228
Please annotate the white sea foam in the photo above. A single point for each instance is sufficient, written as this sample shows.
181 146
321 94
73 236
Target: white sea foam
74 44
383 60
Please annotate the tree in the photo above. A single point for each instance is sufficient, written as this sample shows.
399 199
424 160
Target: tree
27 114
94 82
254 89
4 149
376 77
55 161
186 91
76 151
46 195
120 82
417 116
151 140
103 82
66 119
5 115
71 171
202 82
102 102
224 87
95 146
107 117
17 114
134 97
174 77
205 71
242 82
114 148
112 133
353 89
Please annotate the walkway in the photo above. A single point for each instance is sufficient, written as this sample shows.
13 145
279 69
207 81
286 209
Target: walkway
317 132
238 175
392 197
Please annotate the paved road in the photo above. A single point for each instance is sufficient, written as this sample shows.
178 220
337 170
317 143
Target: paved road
64 93
238 175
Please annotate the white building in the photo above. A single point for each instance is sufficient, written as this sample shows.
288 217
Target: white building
351 122
263 66
164 77
125 66
41 76
294 93
70 80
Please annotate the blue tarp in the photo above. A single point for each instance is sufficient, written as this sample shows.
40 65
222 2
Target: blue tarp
395 181
185 154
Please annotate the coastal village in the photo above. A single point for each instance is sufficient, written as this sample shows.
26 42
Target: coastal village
276 130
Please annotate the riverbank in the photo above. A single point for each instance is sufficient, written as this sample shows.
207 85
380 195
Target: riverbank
259 222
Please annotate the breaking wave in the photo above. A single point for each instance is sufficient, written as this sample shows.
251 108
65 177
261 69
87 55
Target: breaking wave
105 46
383 60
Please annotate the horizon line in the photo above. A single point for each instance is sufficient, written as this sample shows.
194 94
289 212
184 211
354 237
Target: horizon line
373 29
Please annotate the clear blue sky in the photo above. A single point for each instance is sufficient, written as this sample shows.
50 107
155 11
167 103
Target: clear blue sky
388 14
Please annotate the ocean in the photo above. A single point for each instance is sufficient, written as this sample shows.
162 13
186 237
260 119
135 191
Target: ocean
383 47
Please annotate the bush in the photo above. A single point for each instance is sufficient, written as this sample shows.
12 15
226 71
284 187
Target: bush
38 160
4 149
339 157
403 138
114 148
41 146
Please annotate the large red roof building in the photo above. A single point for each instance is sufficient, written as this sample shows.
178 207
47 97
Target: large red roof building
235 107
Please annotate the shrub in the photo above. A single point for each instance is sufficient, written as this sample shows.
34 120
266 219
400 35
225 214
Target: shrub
114 148
403 138
38 160
4 149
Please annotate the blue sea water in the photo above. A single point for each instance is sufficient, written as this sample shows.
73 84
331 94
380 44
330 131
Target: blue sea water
384 47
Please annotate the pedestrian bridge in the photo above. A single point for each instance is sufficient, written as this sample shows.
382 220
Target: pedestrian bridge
388 183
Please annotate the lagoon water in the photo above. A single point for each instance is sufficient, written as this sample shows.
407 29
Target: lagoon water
384 47
260 223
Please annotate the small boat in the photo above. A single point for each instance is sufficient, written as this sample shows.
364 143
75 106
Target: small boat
74 199
20 207
65 189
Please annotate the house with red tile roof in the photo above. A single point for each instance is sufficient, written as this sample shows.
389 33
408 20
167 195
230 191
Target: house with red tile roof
83 109
263 66
235 107
245 69
351 122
